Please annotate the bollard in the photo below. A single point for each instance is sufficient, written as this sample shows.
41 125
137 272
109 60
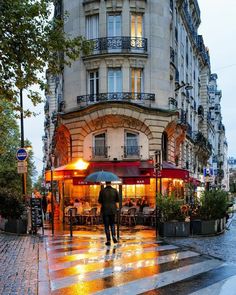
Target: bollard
71 233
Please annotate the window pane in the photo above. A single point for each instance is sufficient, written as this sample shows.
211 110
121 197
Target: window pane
136 25
114 25
139 26
136 80
114 80
92 27
93 82
133 26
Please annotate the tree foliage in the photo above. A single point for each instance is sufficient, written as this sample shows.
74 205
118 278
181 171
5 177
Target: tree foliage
30 42
9 143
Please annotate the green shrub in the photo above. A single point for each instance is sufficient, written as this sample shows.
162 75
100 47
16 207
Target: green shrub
11 205
169 208
214 204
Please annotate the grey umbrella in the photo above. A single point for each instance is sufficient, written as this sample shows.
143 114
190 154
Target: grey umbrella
106 176
102 176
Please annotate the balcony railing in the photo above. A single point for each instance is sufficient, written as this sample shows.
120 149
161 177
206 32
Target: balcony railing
99 151
173 104
132 151
182 117
119 45
135 97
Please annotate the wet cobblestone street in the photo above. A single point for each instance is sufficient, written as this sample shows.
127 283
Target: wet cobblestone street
222 246
18 264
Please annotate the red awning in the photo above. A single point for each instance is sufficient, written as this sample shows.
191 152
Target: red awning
130 172
174 173
169 170
135 172
194 181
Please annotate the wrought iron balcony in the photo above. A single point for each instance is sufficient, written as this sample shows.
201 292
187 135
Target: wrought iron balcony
99 151
189 130
132 151
182 117
119 45
135 97
173 104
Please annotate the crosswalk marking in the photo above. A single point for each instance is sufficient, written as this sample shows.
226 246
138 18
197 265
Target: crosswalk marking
103 258
85 266
117 268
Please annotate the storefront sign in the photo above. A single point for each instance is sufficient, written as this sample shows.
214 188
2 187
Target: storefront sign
79 181
36 212
136 180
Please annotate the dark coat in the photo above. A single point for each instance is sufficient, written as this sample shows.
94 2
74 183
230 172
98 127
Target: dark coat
108 197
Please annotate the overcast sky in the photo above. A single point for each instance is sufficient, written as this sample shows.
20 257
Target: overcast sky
218 28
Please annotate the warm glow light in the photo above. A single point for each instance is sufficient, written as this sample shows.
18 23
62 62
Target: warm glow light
81 164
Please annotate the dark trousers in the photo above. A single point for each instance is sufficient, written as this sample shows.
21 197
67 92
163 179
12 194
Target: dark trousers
109 223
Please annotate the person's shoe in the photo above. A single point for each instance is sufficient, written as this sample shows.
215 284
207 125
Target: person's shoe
115 241
108 243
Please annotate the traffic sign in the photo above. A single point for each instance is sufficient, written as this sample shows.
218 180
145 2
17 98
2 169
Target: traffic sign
22 167
21 154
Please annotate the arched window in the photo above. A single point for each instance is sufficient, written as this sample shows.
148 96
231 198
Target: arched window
164 146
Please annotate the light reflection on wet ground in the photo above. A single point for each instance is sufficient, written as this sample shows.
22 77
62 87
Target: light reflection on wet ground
138 264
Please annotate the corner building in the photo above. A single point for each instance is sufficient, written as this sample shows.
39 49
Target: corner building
137 92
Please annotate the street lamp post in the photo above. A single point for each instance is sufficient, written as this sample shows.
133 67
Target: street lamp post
52 196
158 167
187 86
22 140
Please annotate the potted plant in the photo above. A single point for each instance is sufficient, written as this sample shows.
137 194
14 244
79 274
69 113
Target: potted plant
212 211
172 217
214 206
13 211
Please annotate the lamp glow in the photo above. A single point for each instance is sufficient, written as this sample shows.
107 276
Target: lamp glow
81 164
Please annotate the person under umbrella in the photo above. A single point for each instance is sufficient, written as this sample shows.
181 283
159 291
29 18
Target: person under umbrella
108 197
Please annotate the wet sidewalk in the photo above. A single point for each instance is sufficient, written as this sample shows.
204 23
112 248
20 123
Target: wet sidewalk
19 256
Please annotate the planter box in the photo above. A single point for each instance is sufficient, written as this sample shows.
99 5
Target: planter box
195 227
174 229
209 227
221 224
18 226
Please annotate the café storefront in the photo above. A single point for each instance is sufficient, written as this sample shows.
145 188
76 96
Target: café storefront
137 177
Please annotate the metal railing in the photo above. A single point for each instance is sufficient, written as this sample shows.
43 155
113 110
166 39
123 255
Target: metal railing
99 152
134 97
119 44
132 151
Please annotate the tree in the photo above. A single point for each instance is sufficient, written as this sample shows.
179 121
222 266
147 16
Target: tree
30 42
9 143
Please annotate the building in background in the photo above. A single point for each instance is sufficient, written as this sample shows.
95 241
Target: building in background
146 87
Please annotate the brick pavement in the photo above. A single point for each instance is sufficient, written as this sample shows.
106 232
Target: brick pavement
19 257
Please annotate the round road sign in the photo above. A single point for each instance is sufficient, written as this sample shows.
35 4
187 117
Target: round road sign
21 154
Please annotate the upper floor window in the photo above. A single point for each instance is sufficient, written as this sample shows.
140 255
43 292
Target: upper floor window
131 144
92 27
99 146
93 84
114 25
136 25
136 80
114 80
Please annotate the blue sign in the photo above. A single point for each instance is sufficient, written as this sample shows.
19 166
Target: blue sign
21 154
208 171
